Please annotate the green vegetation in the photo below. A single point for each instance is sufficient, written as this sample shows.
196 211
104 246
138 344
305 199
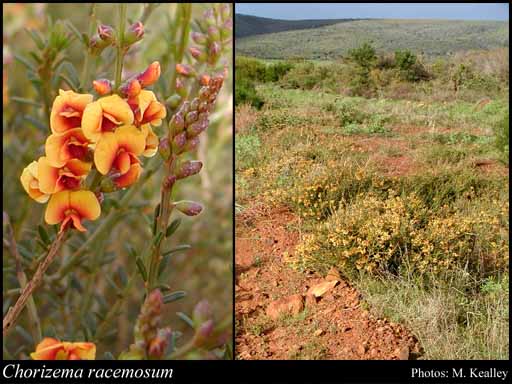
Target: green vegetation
307 40
405 190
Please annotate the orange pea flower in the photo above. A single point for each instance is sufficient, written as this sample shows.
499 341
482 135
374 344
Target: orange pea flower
105 115
70 207
53 349
151 141
150 75
67 110
118 151
71 144
147 109
30 180
54 179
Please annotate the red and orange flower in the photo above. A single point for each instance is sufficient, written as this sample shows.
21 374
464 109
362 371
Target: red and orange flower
70 207
53 349
67 110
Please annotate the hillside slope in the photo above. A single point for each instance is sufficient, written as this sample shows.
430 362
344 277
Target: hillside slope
246 25
432 37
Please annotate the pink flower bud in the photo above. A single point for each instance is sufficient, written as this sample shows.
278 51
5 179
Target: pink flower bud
185 70
204 80
192 144
198 38
102 86
202 312
189 168
106 32
188 207
134 33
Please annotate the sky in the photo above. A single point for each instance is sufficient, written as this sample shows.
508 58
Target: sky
454 11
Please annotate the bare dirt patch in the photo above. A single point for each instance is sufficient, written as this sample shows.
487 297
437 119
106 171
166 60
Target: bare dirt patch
334 325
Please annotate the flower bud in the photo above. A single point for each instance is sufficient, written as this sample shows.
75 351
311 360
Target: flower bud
97 45
197 53
196 128
209 17
163 148
191 144
189 168
169 181
226 30
102 86
130 88
180 88
204 79
100 196
203 333
185 70
213 33
198 38
178 143
225 12
191 117
106 33
158 345
151 75
188 207
202 312
134 33
108 185
174 101
177 123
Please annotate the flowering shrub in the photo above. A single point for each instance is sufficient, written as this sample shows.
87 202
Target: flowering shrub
100 131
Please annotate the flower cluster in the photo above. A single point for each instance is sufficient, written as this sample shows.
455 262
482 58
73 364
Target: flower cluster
106 135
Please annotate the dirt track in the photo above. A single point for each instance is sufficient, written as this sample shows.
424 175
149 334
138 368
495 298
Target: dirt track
335 325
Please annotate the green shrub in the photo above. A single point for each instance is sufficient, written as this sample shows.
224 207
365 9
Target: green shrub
247 151
245 93
501 132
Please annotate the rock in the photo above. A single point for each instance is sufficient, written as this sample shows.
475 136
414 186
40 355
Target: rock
402 354
287 305
318 332
361 349
322 288
333 275
310 300
345 328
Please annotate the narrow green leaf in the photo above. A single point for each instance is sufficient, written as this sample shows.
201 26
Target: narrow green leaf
43 234
40 43
108 356
36 58
177 249
23 333
142 269
22 100
169 298
163 264
75 31
75 283
25 61
158 238
123 277
172 227
36 123
68 81
186 319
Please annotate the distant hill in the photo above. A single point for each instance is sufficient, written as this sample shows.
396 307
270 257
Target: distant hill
246 25
259 37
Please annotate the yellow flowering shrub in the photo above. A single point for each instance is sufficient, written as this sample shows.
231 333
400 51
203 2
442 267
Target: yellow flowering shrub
397 233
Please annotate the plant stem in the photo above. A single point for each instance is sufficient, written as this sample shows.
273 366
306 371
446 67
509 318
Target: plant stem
87 63
162 223
184 13
120 44
35 324
13 312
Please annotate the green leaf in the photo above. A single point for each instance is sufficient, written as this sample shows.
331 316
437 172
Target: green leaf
142 269
39 40
75 283
75 31
179 248
43 234
172 227
158 238
108 356
123 277
36 58
169 298
73 73
163 264
23 333
22 100
36 123
68 81
186 319
25 61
